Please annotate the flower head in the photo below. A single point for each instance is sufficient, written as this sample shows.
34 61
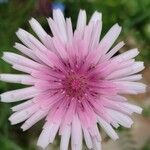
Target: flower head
74 80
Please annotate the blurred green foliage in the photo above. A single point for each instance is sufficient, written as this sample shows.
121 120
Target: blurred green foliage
147 145
146 111
132 15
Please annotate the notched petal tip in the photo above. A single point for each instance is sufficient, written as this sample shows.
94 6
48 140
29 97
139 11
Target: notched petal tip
12 109
32 19
11 121
140 110
82 11
119 27
57 10
136 50
96 16
145 87
19 30
47 18
122 43
24 127
15 44
41 144
4 53
116 138
3 57
2 99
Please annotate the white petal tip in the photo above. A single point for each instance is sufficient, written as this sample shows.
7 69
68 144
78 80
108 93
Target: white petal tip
2 99
82 10
122 43
19 29
32 19
57 9
136 49
15 44
13 109
117 25
47 18
4 54
42 144
116 138
96 16
140 110
24 127
11 121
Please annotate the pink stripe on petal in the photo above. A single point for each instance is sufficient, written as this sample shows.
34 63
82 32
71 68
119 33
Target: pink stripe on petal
99 109
69 113
84 118
46 85
60 49
60 112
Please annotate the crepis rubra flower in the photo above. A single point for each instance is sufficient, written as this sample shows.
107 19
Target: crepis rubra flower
75 81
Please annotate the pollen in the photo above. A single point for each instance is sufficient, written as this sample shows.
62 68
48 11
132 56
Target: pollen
75 85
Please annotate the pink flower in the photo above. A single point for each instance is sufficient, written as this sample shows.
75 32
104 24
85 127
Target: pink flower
74 81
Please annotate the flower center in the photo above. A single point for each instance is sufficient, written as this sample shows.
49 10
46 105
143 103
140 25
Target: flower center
75 85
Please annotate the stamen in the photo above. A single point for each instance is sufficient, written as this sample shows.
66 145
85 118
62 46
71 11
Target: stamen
75 85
